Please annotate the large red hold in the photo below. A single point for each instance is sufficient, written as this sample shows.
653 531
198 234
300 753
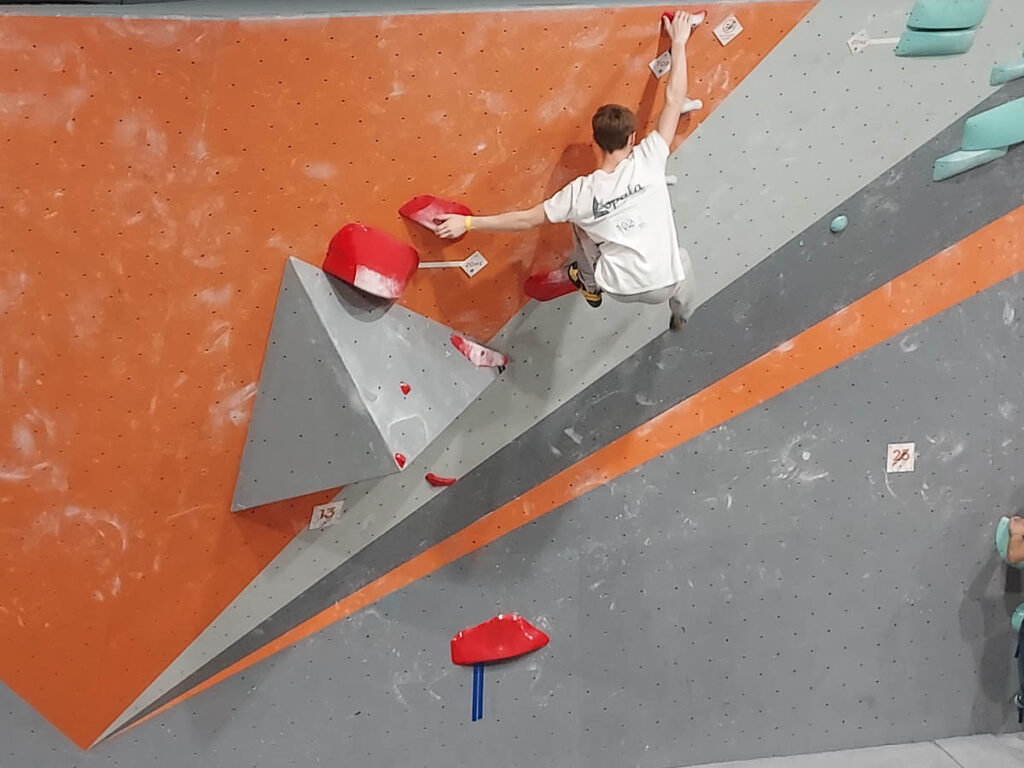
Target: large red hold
371 260
545 286
505 636
425 210
698 16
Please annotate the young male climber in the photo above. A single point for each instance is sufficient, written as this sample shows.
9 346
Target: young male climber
1010 540
621 213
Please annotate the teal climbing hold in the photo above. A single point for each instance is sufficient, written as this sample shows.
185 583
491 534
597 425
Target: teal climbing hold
964 160
1004 73
915 42
994 128
947 14
1018 618
839 224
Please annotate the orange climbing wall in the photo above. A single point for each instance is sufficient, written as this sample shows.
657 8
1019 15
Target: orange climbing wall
157 174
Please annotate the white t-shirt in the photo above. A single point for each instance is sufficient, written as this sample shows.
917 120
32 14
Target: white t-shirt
628 214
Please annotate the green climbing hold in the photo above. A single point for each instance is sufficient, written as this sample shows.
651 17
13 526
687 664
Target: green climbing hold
914 42
995 128
838 224
964 160
1004 73
947 14
1018 618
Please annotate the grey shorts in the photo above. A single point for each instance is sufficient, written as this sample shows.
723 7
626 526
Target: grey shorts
681 296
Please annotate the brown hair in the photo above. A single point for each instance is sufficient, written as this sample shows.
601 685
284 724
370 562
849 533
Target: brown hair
613 124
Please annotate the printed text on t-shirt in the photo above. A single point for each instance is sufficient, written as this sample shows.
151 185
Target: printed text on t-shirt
603 208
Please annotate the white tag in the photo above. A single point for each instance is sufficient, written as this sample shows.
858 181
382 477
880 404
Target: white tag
728 29
662 64
900 457
325 515
474 263
859 42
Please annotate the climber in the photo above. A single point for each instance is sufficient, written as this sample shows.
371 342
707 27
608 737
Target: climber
1010 540
1010 546
621 213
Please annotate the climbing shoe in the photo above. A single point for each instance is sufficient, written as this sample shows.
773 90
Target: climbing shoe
593 297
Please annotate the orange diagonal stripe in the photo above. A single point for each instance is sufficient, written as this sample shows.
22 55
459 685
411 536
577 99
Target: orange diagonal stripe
980 261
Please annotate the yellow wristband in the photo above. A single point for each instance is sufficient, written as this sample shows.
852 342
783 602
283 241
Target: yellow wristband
469 223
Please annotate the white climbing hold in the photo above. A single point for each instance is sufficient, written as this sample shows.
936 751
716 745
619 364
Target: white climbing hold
691 105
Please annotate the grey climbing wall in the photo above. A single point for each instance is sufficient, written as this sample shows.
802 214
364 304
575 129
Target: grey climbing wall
763 589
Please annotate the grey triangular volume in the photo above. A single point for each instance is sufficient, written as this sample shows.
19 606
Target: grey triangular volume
331 408
309 430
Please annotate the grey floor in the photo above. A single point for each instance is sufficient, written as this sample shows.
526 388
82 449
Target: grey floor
966 752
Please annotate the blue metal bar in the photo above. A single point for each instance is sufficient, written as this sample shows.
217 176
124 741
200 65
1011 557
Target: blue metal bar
478 692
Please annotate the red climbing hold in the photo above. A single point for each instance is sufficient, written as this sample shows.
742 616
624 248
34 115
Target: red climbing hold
503 637
406 389
478 354
371 260
546 286
698 17
400 460
439 482
425 210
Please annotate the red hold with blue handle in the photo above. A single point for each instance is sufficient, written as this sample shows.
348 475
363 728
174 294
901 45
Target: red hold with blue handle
505 636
